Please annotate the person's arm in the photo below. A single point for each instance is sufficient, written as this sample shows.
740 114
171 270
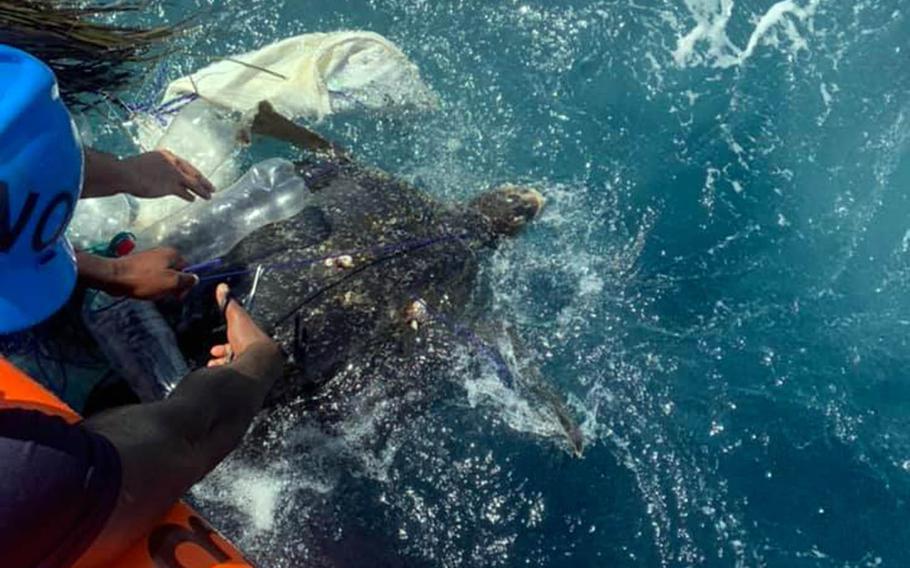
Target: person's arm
153 174
149 275
165 447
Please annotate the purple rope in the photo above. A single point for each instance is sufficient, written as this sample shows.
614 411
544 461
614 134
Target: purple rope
203 266
413 244
176 104
479 345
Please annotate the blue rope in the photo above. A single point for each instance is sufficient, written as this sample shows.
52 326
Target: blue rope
174 105
147 106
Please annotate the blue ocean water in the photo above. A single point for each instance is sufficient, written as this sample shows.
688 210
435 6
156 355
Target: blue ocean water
719 283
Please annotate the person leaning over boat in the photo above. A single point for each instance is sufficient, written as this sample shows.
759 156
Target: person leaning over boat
80 494
62 354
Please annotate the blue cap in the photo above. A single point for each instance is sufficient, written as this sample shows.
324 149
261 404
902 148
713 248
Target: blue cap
40 181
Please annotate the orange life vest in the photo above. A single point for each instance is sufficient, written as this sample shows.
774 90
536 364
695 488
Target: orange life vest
181 540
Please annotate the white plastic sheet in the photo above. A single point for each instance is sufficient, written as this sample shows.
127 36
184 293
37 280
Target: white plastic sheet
312 76
307 77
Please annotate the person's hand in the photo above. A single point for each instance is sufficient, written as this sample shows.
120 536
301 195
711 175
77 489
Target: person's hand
151 275
242 332
160 173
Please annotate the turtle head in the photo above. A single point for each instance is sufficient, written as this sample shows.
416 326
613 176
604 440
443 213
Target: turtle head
508 208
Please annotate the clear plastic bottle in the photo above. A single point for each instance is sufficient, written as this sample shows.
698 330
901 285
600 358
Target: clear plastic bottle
97 221
138 343
270 191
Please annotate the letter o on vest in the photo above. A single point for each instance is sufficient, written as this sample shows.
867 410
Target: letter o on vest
39 242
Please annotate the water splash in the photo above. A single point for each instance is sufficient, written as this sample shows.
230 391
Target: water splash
713 17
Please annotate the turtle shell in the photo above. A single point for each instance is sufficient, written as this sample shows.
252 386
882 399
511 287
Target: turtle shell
342 277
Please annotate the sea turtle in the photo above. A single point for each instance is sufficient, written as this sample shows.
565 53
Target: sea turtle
373 281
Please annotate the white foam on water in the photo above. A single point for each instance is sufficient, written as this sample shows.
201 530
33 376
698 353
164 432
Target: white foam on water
358 432
255 493
513 409
712 18
776 15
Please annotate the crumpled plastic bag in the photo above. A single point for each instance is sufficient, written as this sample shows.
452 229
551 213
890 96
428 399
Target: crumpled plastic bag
312 76
307 77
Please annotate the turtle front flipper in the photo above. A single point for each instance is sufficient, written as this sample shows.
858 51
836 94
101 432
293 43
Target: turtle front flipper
540 388
523 374
537 385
